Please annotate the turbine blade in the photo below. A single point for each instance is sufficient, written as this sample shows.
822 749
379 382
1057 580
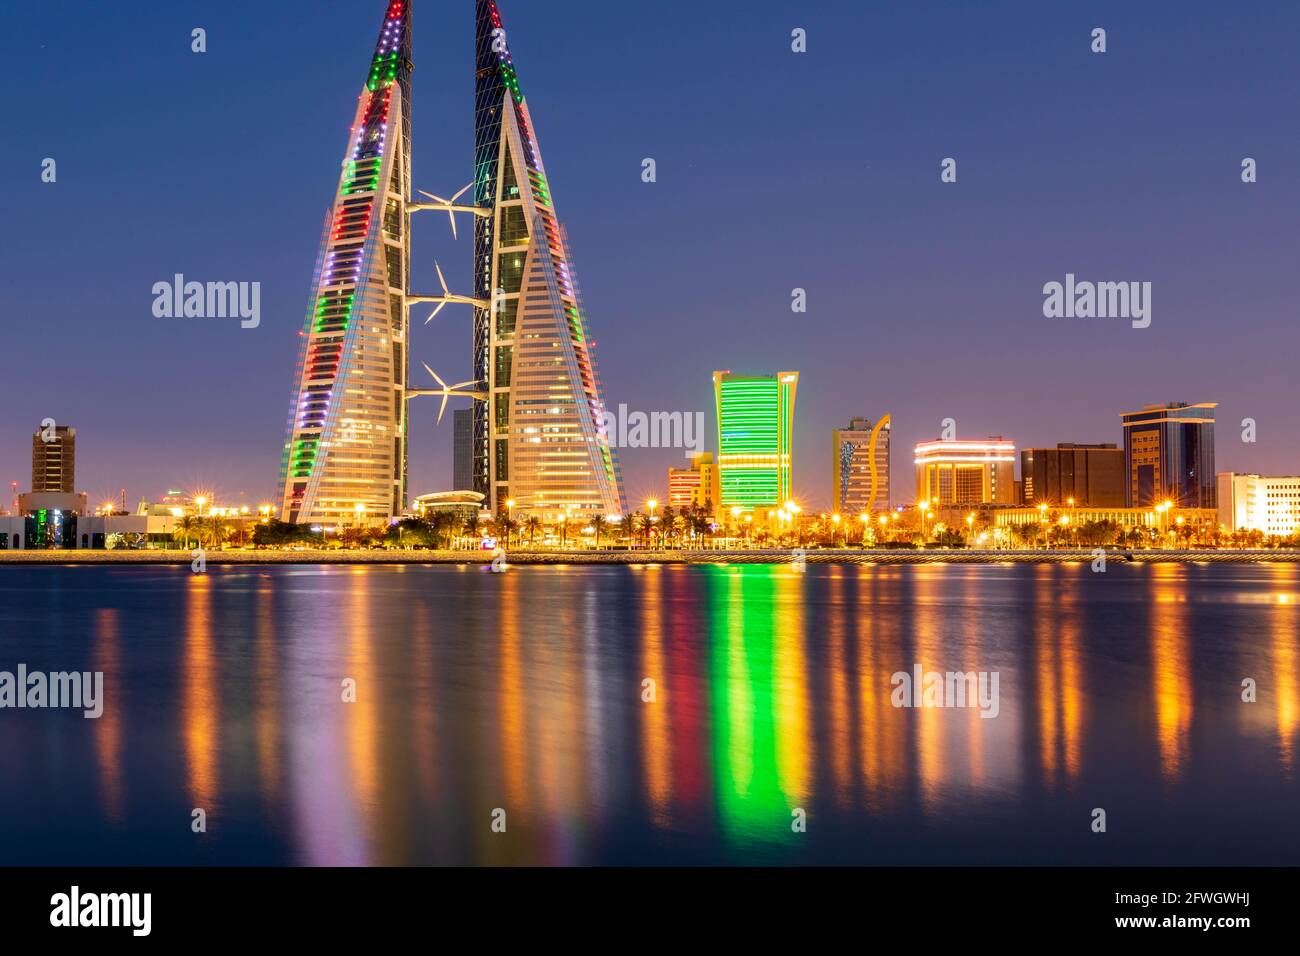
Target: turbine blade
452 216
434 374
463 191
445 290
431 196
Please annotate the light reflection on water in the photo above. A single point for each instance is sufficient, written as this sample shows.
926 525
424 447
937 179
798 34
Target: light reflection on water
524 692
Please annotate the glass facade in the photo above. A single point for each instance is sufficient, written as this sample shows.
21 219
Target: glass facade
1169 456
345 450
537 440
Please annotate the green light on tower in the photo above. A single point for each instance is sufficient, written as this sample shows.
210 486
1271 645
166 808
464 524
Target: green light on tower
755 416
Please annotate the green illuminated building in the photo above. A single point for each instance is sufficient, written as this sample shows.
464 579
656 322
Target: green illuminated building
755 435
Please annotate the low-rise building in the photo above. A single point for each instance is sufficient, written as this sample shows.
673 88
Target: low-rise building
465 505
696 486
1264 503
955 472
58 530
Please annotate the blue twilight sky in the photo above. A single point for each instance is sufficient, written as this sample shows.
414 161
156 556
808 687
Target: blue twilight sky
775 171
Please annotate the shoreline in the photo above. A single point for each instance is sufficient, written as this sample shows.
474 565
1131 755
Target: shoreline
755 556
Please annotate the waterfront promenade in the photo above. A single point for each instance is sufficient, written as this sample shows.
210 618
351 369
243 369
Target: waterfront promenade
644 556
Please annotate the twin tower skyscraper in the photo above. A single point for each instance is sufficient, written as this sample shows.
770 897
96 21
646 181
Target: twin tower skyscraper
538 441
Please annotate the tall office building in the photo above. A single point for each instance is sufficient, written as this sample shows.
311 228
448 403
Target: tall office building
462 451
1259 503
755 438
54 460
1092 476
537 439
1169 455
860 467
346 446
966 472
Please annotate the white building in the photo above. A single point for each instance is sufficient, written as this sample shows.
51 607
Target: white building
1259 503
67 530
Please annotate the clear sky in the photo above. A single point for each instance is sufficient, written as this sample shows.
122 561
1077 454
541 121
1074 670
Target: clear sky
776 170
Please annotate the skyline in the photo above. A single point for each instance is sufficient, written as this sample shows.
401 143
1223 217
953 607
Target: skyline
981 351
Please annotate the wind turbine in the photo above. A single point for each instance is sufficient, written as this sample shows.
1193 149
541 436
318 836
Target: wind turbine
447 391
450 207
447 297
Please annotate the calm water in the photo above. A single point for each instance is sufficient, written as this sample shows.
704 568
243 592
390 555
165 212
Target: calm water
523 691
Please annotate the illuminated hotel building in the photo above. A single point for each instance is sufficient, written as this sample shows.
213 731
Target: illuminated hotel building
966 472
1169 455
696 486
1259 503
345 450
755 432
860 467
537 439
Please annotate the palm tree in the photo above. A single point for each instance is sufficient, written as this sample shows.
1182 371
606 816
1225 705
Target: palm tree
598 522
186 528
221 532
441 528
469 526
635 522
533 524
1027 532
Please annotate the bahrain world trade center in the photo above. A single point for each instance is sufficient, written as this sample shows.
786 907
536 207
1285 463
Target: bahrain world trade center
538 440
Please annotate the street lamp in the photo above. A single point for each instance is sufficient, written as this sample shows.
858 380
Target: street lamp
510 518
200 501
923 507
651 505
564 526
793 510
1162 510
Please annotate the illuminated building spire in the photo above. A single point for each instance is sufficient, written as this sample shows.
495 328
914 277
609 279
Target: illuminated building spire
538 439
345 451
